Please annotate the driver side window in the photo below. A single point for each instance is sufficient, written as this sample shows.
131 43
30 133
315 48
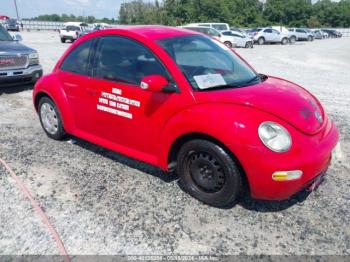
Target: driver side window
123 60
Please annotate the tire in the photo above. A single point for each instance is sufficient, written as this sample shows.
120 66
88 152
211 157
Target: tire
292 40
63 40
208 173
50 116
261 41
249 45
228 44
309 38
284 41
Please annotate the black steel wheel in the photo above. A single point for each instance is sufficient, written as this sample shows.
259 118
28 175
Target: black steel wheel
208 173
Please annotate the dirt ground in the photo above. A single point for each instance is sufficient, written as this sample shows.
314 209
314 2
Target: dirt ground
103 203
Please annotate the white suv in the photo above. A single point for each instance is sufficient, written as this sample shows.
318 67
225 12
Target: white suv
229 41
302 34
270 35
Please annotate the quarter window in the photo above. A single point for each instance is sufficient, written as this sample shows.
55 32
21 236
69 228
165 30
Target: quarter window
77 60
123 60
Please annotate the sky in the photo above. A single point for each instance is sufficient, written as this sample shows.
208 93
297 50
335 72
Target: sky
32 8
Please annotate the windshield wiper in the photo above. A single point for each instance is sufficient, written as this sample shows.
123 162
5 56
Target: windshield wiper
218 87
253 80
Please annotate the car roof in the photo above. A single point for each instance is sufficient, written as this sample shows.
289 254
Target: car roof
152 32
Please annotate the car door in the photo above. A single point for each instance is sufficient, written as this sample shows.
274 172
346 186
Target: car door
300 33
129 118
268 35
276 36
74 76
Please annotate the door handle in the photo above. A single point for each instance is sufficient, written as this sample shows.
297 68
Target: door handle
91 91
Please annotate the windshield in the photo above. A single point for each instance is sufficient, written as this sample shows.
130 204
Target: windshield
208 64
4 35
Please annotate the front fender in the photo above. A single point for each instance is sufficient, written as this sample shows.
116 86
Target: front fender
233 125
50 86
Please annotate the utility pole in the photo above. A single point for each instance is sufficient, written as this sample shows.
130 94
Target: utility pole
15 2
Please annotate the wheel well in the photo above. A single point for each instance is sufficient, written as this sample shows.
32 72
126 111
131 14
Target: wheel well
179 142
38 97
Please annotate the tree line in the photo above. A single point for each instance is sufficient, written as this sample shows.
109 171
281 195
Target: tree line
240 13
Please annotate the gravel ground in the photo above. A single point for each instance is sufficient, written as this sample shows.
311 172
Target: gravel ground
103 203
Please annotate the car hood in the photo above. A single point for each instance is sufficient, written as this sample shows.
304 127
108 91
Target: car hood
13 47
278 97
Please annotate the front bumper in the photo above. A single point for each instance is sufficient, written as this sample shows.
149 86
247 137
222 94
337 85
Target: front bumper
26 75
312 157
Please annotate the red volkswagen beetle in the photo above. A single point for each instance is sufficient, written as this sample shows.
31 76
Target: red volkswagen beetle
182 101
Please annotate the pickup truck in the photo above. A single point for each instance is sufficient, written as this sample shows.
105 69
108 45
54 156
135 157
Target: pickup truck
18 63
72 31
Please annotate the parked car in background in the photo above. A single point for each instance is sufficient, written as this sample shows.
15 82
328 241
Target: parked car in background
18 63
283 30
324 33
240 39
302 34
270 35
72 31
229 41
12 25
100 26
240 31
318 34
217 26
333 33
252 32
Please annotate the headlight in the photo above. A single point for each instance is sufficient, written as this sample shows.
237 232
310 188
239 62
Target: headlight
33 58
275 137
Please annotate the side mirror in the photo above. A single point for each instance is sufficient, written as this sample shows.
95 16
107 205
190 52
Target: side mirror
154 83
17 38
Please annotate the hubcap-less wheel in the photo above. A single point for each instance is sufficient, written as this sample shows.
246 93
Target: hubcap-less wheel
49 118
206 172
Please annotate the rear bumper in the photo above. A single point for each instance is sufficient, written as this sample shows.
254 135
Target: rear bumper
69 37
313 160
15 76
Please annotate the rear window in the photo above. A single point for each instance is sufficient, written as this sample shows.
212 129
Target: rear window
72 28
